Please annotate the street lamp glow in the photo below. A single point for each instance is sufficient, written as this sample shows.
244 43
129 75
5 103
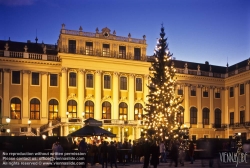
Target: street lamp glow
8 120
67 113
29 122
8 130
239 134
44 137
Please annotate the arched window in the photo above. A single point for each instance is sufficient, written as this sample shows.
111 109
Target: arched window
123 111
89 109
53 109
205 115
35 109
217 118
138 111
106 110
193 115
180 115
15 108
72 109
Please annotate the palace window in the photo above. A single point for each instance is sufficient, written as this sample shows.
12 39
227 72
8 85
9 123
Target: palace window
89 81
180 90
72 108
89 109
89 48
242 117
193 91
180 115
137 53
138 83
107 82
53 79
35 78
16 77
231 118
123 111
242 89
35 109
217 118
105 50
193 115
138 111
122 51
123 83
72 79
106 110
15 108
72 46
231 91
53 109
217 93
205 114
205 92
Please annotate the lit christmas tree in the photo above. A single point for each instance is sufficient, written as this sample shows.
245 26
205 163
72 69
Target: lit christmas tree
161 110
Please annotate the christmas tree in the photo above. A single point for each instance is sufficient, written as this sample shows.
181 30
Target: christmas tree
160 117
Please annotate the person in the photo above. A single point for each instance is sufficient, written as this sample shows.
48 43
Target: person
146 153
174 153
155 151
104 154
191 152
83 147
54 146
162 151
58 152
112 154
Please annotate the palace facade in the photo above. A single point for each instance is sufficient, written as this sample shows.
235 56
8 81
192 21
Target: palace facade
52 89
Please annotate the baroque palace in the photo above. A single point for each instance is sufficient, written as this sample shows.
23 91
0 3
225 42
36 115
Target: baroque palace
52 89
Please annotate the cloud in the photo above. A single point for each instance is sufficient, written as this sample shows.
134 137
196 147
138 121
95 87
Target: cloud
17 2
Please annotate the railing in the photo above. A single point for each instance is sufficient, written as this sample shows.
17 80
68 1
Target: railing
1 53
75 120
53 58
23 129
33 130
219 125
35 56
192 72
90 34
16 54
243 69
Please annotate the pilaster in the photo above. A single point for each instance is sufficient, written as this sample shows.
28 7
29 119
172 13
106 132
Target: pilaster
63 94
186 106
145 87
211 112
98 94
131 90
6 93
115 85
44 110
247 101
25 98
80 91
236 103
199 112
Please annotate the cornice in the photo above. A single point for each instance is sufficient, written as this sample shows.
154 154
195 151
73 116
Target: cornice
188 76
30 61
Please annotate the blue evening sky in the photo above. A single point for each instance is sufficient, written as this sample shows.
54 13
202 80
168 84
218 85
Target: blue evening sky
197 30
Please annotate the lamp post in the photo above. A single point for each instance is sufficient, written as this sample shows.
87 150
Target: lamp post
8 121
67 114
239 143
83 115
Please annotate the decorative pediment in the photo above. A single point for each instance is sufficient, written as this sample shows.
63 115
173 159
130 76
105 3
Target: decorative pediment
105 32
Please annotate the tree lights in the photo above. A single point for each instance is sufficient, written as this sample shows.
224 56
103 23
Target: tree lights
162 107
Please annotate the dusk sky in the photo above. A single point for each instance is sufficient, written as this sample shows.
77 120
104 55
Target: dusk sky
197 30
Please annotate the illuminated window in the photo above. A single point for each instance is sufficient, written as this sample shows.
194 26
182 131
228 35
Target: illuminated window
180 115
53 109
89 48
105 50
193 115
231 92
217 93
72 109
205 92
138 111
106 81
15 108
122 51
180 90
35 109
123 111
137 53
72 79
123 83
138 84
106 110
205 114
89 109
231 118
